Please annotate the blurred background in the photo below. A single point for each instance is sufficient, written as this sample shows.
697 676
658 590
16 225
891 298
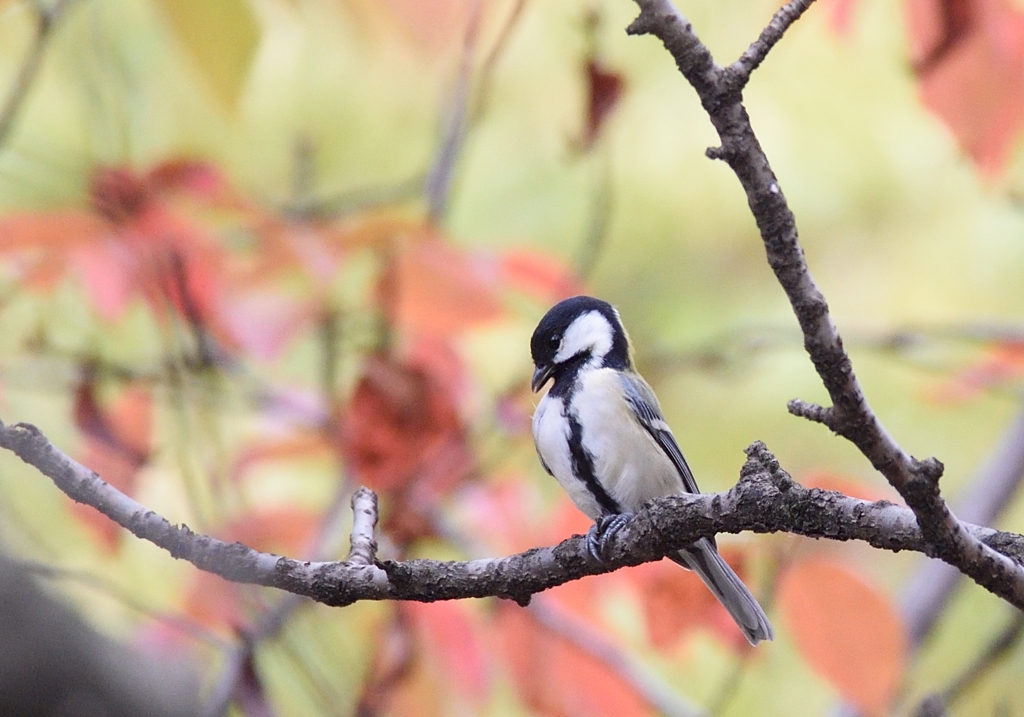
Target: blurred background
256 253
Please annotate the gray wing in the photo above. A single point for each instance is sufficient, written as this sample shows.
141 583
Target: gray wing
645 407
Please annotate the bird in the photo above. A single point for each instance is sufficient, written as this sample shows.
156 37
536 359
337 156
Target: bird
599 430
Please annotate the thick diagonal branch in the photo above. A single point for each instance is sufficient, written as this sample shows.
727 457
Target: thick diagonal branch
720 93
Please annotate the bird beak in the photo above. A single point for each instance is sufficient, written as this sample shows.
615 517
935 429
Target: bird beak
540 377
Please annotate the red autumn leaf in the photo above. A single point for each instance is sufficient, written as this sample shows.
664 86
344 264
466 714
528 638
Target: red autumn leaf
676 603
847 631
50 232
132 243
556 678
604 88
40 248
431 288
576 597
969 57
451 642
540 275
117 444
509 515
400 414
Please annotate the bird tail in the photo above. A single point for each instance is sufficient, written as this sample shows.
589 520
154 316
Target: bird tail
702 557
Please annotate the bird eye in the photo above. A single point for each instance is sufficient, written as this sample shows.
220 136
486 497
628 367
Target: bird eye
554 341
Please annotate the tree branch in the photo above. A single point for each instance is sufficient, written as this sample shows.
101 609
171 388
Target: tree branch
759 49
364 520
766 500
850 415
929 590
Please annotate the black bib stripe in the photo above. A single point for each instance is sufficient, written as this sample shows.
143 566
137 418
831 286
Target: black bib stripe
583 467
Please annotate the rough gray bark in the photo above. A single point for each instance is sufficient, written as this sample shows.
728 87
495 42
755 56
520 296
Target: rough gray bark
766 500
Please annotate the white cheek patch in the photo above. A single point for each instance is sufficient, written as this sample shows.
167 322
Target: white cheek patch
590 331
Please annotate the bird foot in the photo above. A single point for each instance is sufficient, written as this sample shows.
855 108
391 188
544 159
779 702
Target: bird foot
602 531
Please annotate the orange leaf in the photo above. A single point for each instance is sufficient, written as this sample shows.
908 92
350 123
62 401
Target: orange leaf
450 637
969 57
431 288
393 672
541 275
401 416
847 630
558 679
676 603
53 230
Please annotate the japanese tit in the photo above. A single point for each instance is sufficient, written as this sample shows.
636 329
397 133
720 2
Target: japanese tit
600 432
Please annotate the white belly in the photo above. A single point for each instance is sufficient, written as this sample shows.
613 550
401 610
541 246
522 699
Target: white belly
551 436
627 462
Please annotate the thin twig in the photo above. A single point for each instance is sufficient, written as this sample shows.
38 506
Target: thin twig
487 68
439 178
47 20
784 17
